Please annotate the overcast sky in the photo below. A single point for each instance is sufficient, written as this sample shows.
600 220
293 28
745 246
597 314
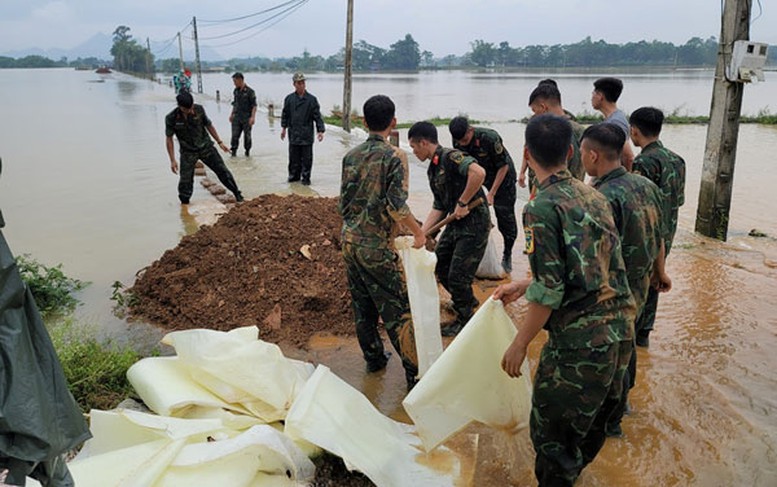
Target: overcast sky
441 26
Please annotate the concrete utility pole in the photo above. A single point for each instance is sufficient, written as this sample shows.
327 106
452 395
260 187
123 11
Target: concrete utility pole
180 51
197 65
148 58
720 152
347 70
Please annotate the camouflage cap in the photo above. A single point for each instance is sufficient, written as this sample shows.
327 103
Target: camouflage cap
298 77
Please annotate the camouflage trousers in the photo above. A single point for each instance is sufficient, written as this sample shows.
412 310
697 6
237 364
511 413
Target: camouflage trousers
378 290
575 392
459 253
211 158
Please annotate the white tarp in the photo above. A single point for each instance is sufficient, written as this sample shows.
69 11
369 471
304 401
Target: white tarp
467 382
335 416
424 301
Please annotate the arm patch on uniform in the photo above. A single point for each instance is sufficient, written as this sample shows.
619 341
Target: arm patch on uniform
457 157
529 233
498 147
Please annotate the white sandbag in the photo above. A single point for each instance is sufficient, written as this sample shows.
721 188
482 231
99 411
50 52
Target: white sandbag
424 300
240 368
335 416
166 387
467 382
491 265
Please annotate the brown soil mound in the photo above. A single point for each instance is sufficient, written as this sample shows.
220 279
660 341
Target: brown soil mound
251 268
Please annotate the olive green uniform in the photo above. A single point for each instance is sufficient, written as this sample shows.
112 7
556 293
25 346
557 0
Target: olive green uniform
667 170
577 271
373 195
463 242
243 104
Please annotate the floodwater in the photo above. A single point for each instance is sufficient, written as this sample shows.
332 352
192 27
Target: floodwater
86 183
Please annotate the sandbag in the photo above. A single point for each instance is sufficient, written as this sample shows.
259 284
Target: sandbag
491 265
467 382
424 300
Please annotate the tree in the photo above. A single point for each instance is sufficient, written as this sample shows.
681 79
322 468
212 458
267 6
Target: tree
483 53
403 55
127 54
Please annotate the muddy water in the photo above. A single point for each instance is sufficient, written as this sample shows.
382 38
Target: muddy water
86 182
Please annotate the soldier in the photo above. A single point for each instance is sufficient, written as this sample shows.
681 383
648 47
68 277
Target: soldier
191 126
579 293
667 170
373 196
300 112
243 114
455 180
637 206
546 98
605 99
485 145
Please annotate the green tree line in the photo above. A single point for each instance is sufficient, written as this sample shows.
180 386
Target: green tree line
128 55
36 61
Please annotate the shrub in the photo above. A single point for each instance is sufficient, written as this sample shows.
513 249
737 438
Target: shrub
50 286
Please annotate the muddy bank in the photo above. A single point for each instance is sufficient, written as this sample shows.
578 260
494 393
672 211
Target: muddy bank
273 262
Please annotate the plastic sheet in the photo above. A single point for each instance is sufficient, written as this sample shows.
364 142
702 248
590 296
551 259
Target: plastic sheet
424 301
336 417
491 265
467 382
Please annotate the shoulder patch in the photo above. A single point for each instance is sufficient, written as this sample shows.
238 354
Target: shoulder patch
457 157
498 147
529 233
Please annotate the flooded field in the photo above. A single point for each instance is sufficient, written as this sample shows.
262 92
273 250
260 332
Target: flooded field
86 183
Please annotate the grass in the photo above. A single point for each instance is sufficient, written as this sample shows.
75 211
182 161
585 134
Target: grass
96 372
336 119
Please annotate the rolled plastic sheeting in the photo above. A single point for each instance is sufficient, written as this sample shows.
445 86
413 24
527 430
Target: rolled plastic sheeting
467 382
424 301
335 416
241 369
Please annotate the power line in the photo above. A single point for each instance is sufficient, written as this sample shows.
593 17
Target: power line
234 19
296 5
287 13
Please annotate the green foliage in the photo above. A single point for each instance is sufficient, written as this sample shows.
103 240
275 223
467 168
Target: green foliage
123 297
128 54
50 286
96 372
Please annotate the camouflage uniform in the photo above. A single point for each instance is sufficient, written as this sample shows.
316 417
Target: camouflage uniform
195 144
243 103
637 207
486 147
578 271
667 170
463 242
373 198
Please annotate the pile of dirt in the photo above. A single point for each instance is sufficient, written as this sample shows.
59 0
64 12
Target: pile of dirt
272 262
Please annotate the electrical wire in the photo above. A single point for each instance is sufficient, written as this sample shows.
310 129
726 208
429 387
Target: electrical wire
242 17
287 13
296 4
760 13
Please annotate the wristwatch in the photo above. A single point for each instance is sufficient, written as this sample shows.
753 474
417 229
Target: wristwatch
461 203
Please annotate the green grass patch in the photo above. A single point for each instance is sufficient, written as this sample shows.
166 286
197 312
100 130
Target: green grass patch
96 371
50 286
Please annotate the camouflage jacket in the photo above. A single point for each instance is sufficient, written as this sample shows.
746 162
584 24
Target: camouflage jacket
577 268
190 130
667 170
637 208
243 103
373 192
447 173
487 148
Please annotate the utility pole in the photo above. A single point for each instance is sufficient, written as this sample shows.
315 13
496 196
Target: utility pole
197 65
180 50
148 58
717 176
347 70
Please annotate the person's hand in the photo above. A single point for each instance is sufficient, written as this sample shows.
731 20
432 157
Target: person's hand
223 146
507 293
283 134
419 240
662 283
174 166
251 121
320 136
522 180
430 244
460 212
513 359
490 198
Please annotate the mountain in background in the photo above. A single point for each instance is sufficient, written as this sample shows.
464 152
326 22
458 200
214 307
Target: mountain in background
99 46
